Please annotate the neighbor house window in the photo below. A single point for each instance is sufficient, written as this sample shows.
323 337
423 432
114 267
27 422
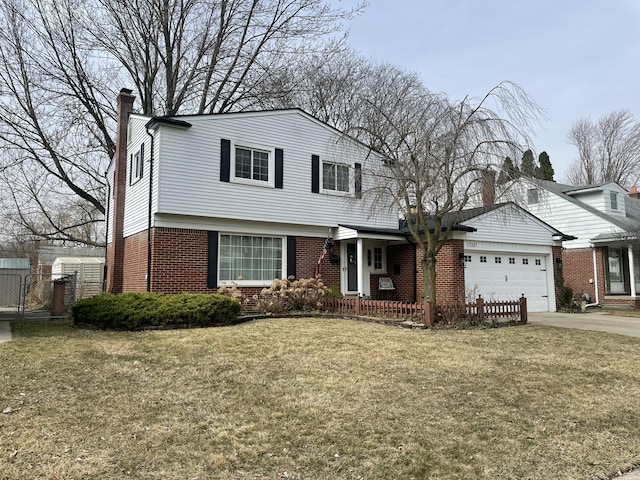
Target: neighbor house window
335 177
250 260
614 200
483 259
532 196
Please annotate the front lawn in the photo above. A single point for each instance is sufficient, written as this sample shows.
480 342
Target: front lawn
317 399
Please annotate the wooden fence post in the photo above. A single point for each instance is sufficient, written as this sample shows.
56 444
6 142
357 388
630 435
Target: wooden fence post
480 306
429 313
358 306
523 309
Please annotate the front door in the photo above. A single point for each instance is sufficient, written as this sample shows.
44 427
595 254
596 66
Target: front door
352 267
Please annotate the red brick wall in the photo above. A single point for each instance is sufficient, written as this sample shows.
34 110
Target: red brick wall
308 250
134 278
400 258
577 268
449 273
179 259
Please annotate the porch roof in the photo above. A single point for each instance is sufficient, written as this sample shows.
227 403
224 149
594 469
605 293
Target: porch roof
374 233
614 237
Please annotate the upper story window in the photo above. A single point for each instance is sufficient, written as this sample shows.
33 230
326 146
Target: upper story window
252 165
533 196
614 200
335 177
136 167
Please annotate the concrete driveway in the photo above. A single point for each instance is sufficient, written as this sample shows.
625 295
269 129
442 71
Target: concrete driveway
594 320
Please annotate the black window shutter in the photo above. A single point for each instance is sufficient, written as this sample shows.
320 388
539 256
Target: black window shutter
225 160
358 180
291 256
279 167
141 159
315 174
212 266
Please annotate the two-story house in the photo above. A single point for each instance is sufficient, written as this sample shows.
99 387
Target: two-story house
198 201
604 261
202 200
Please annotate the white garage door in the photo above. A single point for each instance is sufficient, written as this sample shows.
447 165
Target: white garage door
504 276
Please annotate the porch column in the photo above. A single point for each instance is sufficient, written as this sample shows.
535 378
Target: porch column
632 273
360 264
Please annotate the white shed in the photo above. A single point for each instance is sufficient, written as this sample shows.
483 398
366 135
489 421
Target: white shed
89 271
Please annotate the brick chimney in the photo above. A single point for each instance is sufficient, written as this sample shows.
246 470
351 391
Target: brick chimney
634 193
115 252
488 187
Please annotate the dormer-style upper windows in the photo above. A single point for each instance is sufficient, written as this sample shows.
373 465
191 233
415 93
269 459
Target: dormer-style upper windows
614 200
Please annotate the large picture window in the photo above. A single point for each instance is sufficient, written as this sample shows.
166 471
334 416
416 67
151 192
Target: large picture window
335 177
250 260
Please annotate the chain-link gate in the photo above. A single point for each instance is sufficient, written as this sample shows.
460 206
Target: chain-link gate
10 295
47 295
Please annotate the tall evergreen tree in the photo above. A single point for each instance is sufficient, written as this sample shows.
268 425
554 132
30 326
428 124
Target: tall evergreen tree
545 172
528 165
508 172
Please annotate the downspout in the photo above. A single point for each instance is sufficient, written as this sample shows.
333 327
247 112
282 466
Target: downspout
149 214
106 234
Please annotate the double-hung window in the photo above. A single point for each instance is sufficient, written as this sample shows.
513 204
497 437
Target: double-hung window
335 177
253 164
250 260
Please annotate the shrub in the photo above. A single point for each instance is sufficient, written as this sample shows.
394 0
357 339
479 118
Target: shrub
135 311
289 295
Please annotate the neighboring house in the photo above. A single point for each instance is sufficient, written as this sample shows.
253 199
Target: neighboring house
603 263
199 201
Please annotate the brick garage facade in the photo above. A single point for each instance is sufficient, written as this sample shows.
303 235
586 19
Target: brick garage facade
449 273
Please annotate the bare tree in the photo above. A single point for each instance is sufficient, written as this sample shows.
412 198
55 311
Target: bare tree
608 150
437 150
62 62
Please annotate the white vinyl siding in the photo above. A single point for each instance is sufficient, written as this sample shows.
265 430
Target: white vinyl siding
136 206
194 188
572 219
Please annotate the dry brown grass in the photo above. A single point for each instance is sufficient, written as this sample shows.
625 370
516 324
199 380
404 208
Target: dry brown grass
318 399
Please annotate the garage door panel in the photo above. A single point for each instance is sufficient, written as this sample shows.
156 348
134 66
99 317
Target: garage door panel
505 277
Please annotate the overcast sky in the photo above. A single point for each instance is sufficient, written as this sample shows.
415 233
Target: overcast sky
575 58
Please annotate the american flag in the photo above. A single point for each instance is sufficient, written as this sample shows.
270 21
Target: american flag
318 268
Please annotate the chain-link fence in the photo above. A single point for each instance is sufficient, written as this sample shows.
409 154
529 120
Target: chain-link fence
10 295
45 295
42 295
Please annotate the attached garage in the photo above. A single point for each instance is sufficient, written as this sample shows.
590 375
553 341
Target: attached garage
502 276
511 253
